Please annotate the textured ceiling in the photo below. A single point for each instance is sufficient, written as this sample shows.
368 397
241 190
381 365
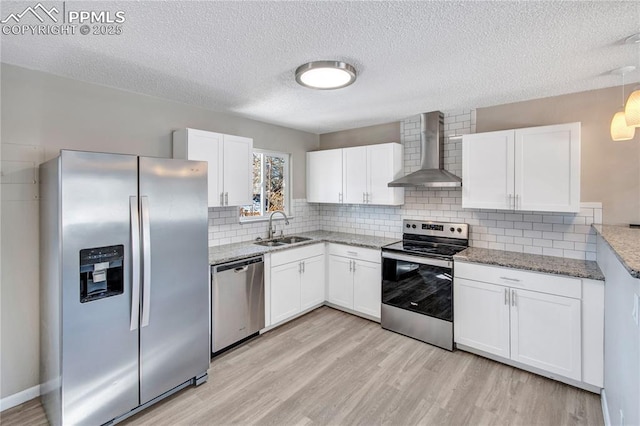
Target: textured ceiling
240 57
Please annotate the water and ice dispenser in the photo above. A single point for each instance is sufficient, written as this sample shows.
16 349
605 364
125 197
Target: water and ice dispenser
101 272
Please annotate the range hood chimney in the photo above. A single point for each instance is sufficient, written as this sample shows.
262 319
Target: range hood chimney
432 173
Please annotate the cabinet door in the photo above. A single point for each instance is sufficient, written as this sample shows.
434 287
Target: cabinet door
367 288
487 170
384 164
324 176
481 316
546 333
547 168
285 291
207 146
238 170
341 281
355 175
312 283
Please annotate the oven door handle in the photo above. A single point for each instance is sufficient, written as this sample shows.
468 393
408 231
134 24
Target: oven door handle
417 259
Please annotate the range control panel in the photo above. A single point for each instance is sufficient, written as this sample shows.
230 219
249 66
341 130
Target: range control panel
436 229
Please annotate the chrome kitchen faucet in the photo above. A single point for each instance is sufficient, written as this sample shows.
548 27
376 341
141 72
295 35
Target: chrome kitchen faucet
272 230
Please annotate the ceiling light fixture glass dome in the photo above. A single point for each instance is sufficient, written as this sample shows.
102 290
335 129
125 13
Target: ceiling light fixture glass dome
326 75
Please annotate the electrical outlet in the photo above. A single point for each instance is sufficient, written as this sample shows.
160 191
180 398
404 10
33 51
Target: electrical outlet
621 418
634 313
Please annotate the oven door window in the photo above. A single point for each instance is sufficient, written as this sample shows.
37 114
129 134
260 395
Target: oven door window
425 289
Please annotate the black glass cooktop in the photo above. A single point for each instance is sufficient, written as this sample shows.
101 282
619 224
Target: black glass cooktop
423 248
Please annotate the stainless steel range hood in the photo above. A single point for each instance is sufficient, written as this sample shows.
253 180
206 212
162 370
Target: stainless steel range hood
432 173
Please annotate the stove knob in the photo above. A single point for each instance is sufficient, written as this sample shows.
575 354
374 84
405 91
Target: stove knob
460 230
413 226
408 226
452 229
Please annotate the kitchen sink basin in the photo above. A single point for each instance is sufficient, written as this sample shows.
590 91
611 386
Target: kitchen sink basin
270 243
282 241
292 239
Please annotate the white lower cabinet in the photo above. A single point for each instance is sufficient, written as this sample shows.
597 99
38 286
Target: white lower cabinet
341 281
297 281
481 316
285 291
312 282
516 317
355 279
545 332
367 282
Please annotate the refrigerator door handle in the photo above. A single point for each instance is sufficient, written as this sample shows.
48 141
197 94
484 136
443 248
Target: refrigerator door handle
146 261
135 262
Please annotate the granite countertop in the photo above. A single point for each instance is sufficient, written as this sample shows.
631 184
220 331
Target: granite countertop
625 243
231 252
532 262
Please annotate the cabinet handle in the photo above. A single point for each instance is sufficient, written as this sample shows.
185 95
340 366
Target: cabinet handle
303 267
339 197
350 265
506 296
226 198
364 197
222 198
509 197
352 253
354 266
515 280
513 298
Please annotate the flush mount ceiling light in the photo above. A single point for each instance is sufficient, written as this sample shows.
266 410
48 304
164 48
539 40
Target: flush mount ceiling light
326 75
620 131
632 107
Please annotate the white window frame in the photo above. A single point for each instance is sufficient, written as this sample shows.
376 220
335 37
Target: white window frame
287 185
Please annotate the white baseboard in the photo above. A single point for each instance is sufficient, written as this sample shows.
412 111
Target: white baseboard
605 408
20 397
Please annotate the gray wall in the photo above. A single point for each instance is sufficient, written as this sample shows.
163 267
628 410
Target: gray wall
609 171
621 339
381 133
41 114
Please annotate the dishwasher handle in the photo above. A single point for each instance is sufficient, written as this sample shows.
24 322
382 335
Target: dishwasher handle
238 266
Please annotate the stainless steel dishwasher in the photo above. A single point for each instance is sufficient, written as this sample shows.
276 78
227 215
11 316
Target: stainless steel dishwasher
237 302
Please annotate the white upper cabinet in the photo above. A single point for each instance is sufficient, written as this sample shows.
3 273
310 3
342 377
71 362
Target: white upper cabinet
532 169
230 163
547 168
237 170
324 176
357 175
385 162
487 170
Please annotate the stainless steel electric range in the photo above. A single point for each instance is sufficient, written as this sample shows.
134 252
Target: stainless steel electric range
417 281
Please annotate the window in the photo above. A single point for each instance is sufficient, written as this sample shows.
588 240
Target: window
270 184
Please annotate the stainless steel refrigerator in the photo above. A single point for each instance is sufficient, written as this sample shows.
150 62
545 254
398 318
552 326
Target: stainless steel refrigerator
124 283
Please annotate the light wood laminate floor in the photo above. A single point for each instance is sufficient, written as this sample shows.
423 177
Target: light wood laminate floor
330 367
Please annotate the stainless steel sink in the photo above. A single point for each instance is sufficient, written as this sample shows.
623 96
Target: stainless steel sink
270 243
282 241
292 239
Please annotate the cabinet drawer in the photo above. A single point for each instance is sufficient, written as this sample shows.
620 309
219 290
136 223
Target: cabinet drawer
295 254
534 281
370 255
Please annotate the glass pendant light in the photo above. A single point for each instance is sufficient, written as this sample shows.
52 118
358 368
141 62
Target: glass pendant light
620 131
632 107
